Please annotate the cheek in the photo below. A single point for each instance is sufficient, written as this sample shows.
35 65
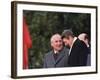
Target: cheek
54 45
65 41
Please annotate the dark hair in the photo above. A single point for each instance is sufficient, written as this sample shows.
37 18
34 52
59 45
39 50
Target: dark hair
67 33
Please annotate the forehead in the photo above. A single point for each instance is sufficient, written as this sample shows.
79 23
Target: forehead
65 38
56 38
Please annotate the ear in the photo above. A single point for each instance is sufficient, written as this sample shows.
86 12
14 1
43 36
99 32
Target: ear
51 44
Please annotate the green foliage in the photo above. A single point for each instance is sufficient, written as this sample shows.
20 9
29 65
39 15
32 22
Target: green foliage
43 25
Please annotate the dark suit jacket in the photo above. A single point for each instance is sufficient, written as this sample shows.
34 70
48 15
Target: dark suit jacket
50 62
89 57
89 60
78 54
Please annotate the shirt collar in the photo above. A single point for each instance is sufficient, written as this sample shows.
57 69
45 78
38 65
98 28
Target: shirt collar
55 51
74 40
72 44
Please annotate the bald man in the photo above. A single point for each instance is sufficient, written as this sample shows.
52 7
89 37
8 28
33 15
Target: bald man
58 56
84 37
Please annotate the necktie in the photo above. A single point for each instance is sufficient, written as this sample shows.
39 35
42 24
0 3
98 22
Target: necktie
55 56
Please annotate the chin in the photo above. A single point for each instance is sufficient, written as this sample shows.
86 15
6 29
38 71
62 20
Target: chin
60 48
67 46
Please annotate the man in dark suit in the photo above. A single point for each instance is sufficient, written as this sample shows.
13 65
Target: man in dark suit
58 56
84 37
78 49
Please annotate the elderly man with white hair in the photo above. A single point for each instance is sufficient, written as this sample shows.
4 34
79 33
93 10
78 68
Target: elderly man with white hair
58 56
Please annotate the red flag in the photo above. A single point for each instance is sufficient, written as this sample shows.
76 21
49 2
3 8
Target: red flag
27 43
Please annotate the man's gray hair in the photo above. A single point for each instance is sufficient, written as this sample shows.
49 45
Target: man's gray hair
54 36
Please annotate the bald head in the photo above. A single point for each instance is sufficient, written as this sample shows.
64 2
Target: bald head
56 42
84 37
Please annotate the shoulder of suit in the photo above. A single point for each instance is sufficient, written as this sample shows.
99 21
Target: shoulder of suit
80 43
49 53
66 49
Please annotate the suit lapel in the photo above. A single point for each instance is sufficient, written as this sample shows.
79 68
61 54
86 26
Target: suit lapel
60 56
72 46
52 60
